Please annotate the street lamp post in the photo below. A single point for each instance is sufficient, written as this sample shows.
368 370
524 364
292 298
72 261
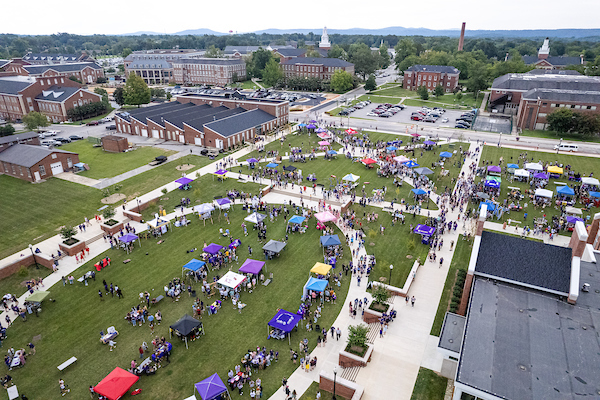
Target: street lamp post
334 378
138 203
34 259
391 269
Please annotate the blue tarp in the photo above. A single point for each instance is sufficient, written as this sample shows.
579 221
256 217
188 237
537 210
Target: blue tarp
490 206
330 240
284 320
419 191
317 285
445 154
391 148
595 194
296 219
565 190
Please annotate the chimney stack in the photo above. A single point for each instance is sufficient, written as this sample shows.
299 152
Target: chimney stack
461 41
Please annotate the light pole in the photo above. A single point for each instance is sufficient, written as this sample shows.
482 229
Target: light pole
34 259
334 378
138 203
391 269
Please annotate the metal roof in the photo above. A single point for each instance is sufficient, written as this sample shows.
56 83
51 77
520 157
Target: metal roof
444 69
14 84
218 61
563 95
525 82
27 155
238 123
554 60
18 137
73 67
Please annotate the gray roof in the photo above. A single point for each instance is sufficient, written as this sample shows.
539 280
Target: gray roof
541 71
143 64
525 82
218 61
444 69
73 67
144 112
27 155
521 344
291 52
18 137
590 274
578 96
328 62
4 63
527 262
240 49
557 60
14 84
50 57
452 332
238 123
217 113
57 93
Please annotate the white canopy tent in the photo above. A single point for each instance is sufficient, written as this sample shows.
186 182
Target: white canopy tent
573 210
544 193
586 180
351 178
534 166
231 280
523 173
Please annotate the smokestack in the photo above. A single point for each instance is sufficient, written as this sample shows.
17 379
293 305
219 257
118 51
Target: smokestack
461 41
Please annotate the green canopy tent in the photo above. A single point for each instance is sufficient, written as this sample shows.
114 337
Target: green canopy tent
38 297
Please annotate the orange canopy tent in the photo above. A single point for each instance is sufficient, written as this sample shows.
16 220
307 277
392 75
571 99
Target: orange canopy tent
116 384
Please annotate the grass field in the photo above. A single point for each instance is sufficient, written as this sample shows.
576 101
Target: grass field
105 164
379 99
33 212
460 260
556 135
302 140
311 393
17 282
71 325
393 91
580 164
158 176
429 386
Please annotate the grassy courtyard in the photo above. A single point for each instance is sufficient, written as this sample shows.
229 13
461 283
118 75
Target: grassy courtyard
105 165
33 212
71 325
556 135
429 386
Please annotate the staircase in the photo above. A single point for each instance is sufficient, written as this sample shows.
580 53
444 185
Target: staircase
373 332
350 373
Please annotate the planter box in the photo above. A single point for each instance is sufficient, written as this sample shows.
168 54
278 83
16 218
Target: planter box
348 360
73 249
371 316
111 229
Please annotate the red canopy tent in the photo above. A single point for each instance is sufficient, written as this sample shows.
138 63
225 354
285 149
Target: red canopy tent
368 161
116 384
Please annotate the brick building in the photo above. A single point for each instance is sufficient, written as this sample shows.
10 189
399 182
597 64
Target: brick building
545 61
239 51
286 54
431 76
54 58
114 144
322 68
155 66
208 71
31 138
206 120
33 163
52 96
87 72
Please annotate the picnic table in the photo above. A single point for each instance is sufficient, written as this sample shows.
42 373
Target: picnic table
67 363
87 275
13 393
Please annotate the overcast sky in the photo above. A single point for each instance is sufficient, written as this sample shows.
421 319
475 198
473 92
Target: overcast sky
74 16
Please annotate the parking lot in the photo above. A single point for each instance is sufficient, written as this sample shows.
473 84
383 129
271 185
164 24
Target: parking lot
404 116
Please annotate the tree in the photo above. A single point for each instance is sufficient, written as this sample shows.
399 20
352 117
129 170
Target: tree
404 48
357 335
370 84
103 93
7 130
118 96
136 92
158 93
561 120
458 96
101 79
126 51
363 59
586 124
312 53
214 52
74 79
272 73
34 120
478 80
110 70
423 92
337 51
259 60
67 232
438 91
384 56
341 81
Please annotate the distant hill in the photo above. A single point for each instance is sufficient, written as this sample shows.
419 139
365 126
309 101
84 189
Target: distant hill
200 32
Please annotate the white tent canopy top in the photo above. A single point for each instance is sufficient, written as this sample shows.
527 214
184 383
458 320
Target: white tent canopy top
586 180
534 166
544 193
522 172
573 210
231 279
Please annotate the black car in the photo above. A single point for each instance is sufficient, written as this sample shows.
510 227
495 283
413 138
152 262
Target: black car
112 127
63 140
75 137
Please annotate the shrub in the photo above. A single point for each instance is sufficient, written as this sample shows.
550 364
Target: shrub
67 232
357 335
380 294
164 191
108 213
23 271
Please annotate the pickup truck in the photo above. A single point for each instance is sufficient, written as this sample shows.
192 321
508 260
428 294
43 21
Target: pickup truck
158 160
209 152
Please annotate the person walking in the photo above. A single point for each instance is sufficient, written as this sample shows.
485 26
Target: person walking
412 301
441 261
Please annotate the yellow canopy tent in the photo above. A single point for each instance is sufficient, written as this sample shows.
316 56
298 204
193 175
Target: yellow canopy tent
555 170
320 268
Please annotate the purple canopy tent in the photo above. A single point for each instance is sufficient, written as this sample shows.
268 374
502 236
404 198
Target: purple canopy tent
220 173
494 168
311 126
251 266
572 220
223 201
128 238
492 184
252 160
212 248
429 142
211 387
541 175
184 181
424 230
284 321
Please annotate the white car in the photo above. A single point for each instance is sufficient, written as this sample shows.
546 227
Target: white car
372 114
51 133
445 120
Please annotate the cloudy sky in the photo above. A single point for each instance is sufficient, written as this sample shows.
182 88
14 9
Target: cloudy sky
74 16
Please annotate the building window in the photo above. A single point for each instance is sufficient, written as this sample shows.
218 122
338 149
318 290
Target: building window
576 106
28 173
553 105
593 108
448 84
54 156
13 169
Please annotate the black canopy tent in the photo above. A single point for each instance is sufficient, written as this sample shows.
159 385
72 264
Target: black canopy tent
186 327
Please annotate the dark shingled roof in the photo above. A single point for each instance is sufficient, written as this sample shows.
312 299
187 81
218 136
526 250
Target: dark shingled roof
40 69
328 62
238 123
219 113
27 155
434 68
144 112
17 137
13 85
142 64
557 60
291 52
452 332
58 93
3 63
578 96
541 71
529 262
522 344
525 82
179 112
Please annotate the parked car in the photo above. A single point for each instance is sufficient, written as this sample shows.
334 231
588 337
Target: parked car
93 123
416 117
386 114
63 140
444 120
75 137
51 133
429 119
50 142
111 127
372 114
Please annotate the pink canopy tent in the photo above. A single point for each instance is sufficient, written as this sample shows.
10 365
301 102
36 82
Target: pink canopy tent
401 159
324 143
323 135
325 216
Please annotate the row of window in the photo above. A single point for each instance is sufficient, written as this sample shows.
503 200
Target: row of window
575 106
15 168
428 83
49 107
49 82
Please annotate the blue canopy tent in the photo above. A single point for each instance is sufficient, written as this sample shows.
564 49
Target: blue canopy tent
284 321
194 265
445 154
490 205
391 148
211 388
595 194
330 240
296 219
513 166
272 165
410 164
314 284
418 191
492 184
565 190
332 152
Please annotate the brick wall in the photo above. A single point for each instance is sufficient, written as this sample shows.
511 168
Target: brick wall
26 261
115 144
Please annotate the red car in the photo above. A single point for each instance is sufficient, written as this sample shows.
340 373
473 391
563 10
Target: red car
91 123
416 118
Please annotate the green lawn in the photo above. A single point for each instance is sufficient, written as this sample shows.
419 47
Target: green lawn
311 393
389 248
248 85
460 261
302 140
17 282
556 135
33 212
156 177
581 164
380 99
429 386
105 164
394 91
71 325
